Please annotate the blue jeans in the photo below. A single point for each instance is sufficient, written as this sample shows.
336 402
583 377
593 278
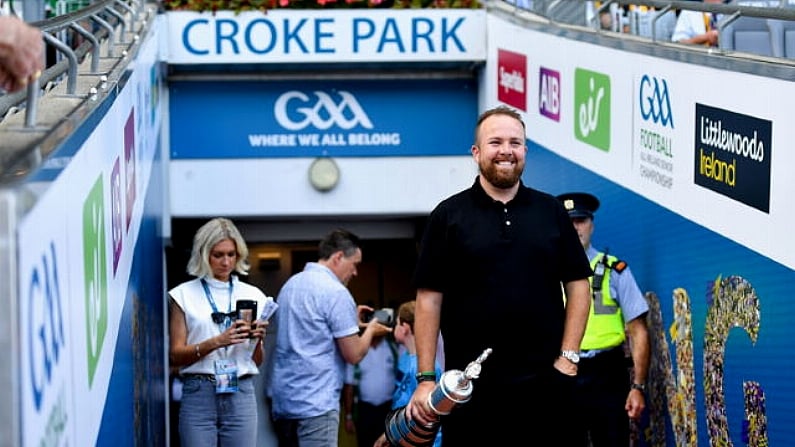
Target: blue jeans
207 419
317 431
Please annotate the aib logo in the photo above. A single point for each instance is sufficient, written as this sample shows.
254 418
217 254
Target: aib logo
115 220
592 108
549 93
655 102
295 110
95 274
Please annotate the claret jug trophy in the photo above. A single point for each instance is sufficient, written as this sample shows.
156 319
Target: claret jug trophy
454 389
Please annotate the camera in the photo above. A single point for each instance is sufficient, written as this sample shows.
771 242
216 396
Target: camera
385 316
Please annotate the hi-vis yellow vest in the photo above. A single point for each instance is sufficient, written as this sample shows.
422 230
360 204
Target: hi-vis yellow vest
605 327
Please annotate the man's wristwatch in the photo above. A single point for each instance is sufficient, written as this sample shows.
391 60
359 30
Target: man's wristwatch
639 386
571 356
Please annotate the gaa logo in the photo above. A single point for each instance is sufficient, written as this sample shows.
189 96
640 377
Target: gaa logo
655 101
295 110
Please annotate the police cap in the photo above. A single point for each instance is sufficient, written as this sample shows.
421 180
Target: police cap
579 204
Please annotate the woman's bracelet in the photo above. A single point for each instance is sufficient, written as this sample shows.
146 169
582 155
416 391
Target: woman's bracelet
198 353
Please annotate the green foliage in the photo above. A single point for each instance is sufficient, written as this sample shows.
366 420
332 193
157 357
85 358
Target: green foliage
218 5
265 5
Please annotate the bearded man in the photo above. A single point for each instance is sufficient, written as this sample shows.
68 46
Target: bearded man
489 273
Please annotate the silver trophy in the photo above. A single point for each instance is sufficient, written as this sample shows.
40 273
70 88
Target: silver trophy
454 389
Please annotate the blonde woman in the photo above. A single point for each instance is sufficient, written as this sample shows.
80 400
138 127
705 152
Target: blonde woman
216 352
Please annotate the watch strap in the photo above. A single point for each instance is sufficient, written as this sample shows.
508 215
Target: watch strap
425 376
572 356
639 386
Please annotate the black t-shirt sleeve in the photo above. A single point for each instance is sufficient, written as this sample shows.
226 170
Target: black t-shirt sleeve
430 272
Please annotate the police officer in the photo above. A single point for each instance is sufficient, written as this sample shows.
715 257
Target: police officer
607 395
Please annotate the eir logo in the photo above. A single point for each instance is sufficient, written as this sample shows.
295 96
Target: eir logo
512 79
95 276
295 110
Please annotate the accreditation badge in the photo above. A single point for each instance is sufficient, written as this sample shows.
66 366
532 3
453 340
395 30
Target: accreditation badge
225 376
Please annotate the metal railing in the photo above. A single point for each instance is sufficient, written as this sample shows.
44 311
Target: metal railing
63 31
87 49
778 10
91 46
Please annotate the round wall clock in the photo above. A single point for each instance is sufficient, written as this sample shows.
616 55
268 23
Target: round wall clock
324 174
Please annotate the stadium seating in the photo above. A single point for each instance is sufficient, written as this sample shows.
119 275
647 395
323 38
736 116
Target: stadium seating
748 34
783 32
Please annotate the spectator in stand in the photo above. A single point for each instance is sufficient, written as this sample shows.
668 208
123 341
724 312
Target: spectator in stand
697 27
21 53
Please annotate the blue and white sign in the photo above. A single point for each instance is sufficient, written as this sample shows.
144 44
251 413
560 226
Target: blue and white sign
75 272
312 118
389 35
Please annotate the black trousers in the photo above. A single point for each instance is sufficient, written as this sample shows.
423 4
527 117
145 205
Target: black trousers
603 384
370 422
531 411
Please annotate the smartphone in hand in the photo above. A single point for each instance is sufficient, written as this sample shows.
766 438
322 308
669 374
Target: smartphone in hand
246 310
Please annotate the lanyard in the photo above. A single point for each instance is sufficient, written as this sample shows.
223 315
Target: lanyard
212 301
226 321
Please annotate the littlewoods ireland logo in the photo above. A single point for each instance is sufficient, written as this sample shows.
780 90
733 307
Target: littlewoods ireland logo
592 108
95 275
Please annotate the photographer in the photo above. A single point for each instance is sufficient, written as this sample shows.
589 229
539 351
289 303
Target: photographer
319 326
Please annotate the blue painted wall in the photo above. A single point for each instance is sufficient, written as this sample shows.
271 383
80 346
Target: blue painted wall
666 252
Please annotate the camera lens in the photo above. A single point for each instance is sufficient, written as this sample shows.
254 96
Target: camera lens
384 317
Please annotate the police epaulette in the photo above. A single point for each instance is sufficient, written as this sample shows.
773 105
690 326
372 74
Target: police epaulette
618 266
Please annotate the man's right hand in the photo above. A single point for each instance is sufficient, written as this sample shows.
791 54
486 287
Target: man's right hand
361 311
419 407
379 330
712 37
382 442
21 53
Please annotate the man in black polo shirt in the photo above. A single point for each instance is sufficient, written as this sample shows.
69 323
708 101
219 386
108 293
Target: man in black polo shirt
489 274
